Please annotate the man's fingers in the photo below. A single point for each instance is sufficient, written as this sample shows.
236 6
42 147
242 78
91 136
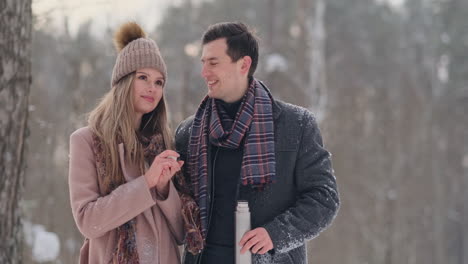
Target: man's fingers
264 250
253 241
257 241
248 235
257 247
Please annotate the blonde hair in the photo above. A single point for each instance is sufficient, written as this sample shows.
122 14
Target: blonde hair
112 121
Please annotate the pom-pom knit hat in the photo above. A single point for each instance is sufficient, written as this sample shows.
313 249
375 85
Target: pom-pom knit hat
135 51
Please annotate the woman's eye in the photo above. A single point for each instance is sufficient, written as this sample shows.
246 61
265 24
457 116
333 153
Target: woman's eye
159 83
142 77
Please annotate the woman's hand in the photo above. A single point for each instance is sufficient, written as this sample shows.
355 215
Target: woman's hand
162 169
163 184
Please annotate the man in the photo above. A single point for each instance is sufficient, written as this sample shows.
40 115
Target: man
242 144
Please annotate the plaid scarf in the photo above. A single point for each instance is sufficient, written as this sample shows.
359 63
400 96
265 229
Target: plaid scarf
252 129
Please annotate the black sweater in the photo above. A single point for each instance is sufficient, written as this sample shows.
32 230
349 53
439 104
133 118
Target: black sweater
227 167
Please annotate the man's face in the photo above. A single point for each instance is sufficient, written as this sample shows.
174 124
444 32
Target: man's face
225 79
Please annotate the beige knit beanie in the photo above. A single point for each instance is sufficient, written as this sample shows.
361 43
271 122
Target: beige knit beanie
135 51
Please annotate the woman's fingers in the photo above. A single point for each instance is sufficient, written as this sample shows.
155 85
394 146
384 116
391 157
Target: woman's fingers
168 153
163 168
172 168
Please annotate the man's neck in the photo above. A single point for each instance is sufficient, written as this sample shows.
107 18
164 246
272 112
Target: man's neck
242 92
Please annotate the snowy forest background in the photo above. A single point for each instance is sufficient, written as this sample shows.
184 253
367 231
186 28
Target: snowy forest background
389 84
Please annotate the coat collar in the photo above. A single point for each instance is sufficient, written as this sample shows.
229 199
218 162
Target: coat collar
147 213
276 107
122 163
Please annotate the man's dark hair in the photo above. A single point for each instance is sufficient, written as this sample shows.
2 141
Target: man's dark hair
240 39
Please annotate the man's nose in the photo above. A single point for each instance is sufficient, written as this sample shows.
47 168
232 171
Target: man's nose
204 71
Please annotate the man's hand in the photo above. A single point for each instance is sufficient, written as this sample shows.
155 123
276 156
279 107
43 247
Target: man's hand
257 240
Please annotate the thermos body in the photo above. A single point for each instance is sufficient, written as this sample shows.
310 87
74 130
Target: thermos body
242 226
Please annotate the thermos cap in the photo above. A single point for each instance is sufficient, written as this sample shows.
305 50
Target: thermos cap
242 205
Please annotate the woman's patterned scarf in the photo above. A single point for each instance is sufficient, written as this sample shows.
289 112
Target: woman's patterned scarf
126 249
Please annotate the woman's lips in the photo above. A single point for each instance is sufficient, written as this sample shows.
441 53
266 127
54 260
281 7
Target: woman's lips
148 98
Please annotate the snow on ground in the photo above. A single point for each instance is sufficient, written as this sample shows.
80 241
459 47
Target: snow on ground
45 245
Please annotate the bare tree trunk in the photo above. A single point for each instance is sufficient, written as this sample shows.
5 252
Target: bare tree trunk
317 77
271 26
15 80
187 67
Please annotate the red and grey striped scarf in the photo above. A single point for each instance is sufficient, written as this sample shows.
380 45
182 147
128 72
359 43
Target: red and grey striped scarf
252 129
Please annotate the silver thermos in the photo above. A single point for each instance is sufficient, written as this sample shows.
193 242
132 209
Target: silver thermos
242 226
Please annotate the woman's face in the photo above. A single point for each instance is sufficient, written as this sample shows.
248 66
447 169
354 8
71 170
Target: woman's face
147 90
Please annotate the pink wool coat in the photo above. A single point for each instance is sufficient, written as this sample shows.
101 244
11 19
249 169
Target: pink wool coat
159 226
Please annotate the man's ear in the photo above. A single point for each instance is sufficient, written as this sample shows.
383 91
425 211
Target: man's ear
246 63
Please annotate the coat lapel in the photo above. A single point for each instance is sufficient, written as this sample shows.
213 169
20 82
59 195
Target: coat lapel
147 213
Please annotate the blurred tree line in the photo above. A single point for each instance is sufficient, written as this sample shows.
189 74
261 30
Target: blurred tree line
389 85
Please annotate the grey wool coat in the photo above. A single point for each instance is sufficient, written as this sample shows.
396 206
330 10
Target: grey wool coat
304 199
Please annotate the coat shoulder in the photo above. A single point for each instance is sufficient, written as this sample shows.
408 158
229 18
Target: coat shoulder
182 133
84 133
184 127
294 114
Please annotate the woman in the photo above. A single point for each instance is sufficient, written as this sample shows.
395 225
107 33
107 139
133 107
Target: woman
122 196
